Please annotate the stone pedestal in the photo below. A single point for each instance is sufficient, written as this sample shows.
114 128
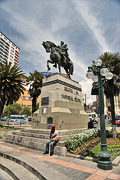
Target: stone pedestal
61 103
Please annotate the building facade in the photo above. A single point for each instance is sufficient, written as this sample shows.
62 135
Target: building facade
107 105
26 101
9 52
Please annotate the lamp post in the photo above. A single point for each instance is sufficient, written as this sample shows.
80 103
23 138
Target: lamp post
95 73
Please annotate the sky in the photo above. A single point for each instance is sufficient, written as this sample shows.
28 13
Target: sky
88 27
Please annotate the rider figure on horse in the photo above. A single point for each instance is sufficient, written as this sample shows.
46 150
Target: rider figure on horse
63 50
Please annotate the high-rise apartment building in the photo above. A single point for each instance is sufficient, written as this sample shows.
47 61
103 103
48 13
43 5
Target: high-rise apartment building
8 50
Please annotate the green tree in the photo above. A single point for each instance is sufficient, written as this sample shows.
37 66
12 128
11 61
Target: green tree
37 106
35 81
26 111
12 82
111 87
13 109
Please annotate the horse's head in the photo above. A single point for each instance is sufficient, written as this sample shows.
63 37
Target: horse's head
46 45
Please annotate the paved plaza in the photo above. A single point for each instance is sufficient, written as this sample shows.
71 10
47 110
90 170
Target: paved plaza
53 167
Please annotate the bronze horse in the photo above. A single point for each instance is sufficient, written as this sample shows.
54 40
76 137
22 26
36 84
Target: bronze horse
57 58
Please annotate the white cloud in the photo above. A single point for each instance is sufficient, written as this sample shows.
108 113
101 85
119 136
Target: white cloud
93 23
86 85
76 23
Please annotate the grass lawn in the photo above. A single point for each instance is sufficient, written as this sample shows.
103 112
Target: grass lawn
113 146
7 127
4 129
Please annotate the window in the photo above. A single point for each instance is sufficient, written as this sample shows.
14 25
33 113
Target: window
45 101
50 120
2 40
43 120
24 97
29 98
1 46
44 110
76 111
6 50
1 43
29 106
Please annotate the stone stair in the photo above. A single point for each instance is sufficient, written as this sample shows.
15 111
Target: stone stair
36 139
20 167
4 175
15 170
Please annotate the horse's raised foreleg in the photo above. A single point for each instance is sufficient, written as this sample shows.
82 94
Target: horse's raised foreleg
48 61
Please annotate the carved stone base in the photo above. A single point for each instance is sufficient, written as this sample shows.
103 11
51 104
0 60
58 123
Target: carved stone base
61 103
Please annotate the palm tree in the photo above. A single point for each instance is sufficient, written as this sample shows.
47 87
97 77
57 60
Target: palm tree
111 88
35 81
12 82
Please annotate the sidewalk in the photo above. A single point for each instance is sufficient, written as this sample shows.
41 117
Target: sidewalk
59 167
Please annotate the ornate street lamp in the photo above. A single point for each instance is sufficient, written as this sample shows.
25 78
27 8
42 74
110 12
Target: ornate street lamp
95 73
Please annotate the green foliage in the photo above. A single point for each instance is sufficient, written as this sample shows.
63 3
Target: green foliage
113 146
113 143
37 106
81 138
8 127
14 108
12 81
112 87
26 111
113 62
96 149
35 81
114 153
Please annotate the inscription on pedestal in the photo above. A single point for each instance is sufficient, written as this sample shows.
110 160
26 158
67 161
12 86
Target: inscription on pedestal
67 89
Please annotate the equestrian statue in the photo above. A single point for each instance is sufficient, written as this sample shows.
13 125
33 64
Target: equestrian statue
59 56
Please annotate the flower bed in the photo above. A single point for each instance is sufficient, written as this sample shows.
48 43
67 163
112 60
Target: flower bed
113 146
88 143
87 146
80 139
113 143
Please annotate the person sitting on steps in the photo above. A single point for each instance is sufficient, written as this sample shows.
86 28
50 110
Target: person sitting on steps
54 138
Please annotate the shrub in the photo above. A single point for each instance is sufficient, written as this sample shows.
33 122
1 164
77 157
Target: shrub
81 138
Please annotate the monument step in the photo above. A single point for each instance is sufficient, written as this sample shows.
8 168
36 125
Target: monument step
32 143
17 138
35 135
60 132
37 138
41 136
4 175
15 170
38 131
36 167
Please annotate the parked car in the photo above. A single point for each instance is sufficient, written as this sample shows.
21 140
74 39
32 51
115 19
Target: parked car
117 122
117 118
3 118
29 119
